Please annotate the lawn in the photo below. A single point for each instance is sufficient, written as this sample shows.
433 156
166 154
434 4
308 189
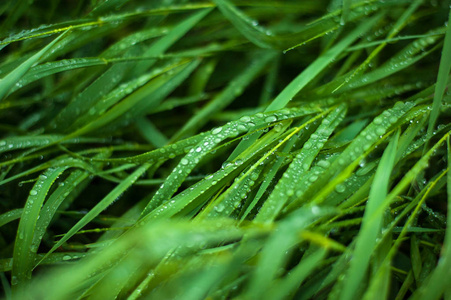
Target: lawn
225 149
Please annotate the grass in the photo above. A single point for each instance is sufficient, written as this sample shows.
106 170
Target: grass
225 149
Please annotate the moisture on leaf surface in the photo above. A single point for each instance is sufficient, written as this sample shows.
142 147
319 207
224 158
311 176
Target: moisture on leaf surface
225 149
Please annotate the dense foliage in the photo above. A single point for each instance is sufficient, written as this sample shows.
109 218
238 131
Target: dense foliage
225 149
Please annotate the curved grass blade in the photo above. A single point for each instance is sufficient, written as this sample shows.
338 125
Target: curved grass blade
300 164
24 142
47 69
442 79
405 58
371 223
159 88
132 39
10 216
274 252
351 156
306 76
318 65
7 82
201 191
101 206
6 264
231 199
295 278
248 27
125 92
55 201
59 162
268 176
400 23
23 256
160 46
222 100
216 136
434 287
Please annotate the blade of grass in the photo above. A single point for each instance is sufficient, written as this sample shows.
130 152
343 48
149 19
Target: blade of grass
442 79
7 82
371 223
308 75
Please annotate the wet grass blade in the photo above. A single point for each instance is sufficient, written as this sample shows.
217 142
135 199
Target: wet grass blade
7 82
371 223
101 206
24 248
442 79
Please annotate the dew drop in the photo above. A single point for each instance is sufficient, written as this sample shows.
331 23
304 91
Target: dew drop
378 120
33 192
219 207
380 131
184 161
241 127
216 130
67 257
313 178
324 164
315 210
340 188
270 119
245 119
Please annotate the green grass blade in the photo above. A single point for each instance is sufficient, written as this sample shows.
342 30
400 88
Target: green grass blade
101 206
10 216
24 248
234 89
7 82
216 136
371 223
309 74
284 188
274 254
401 22
434 287
248 27
442 79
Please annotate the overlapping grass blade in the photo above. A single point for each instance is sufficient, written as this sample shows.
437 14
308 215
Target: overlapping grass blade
24 248
442 79
371 223
13 77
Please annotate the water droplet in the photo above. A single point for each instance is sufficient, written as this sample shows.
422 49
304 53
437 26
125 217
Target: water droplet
340 188
198 149
33 192
241 127
270 119
315 210
245 119
380 131
324 164
378 120
219 207
67 257
184 161
313 178
216 130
